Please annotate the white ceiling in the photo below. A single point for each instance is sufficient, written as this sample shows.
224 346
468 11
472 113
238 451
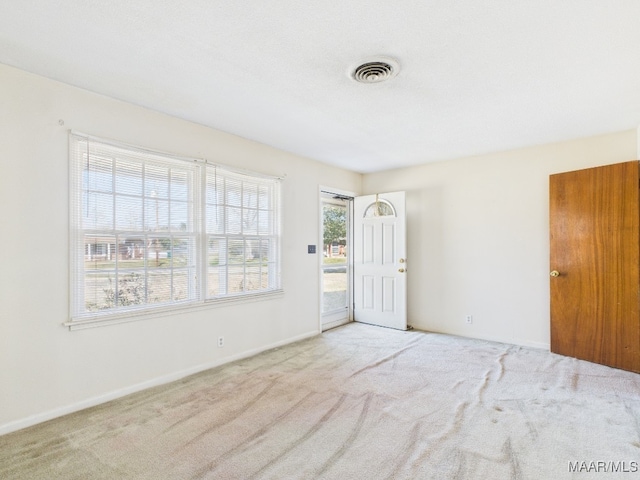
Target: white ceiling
476 76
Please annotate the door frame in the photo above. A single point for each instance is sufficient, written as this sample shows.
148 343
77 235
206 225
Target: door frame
323 191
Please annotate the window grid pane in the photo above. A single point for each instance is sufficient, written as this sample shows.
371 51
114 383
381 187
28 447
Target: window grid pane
138 242
242 227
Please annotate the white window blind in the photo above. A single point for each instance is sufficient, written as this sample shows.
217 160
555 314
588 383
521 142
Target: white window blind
242 225
151 230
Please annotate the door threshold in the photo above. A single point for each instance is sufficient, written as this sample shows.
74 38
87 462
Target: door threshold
337 323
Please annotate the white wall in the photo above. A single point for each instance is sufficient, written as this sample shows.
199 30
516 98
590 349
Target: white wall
46 370
478 237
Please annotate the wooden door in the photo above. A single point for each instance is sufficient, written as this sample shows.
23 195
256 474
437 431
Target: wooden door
595 244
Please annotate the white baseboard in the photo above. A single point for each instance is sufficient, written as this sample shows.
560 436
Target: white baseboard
172 377
521 342
492 338
538 345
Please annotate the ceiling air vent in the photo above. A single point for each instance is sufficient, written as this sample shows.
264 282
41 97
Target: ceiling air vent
375 71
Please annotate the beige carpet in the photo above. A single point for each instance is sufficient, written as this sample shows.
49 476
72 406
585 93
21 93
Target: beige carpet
358 402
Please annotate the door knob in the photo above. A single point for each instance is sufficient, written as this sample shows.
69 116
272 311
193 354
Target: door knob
555 273
401 270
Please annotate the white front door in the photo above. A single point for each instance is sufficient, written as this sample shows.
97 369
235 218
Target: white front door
380 278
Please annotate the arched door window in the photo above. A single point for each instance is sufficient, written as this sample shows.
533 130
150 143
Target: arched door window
380 208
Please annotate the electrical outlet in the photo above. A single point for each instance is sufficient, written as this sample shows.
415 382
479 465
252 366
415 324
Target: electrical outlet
469 319
220 341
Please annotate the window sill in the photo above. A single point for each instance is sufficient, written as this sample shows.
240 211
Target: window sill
147 314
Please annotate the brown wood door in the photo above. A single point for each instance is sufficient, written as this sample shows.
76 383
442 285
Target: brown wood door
595 248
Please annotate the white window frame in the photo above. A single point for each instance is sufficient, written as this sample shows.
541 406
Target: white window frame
251 273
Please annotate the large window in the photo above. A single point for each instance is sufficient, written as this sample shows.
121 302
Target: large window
151 230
